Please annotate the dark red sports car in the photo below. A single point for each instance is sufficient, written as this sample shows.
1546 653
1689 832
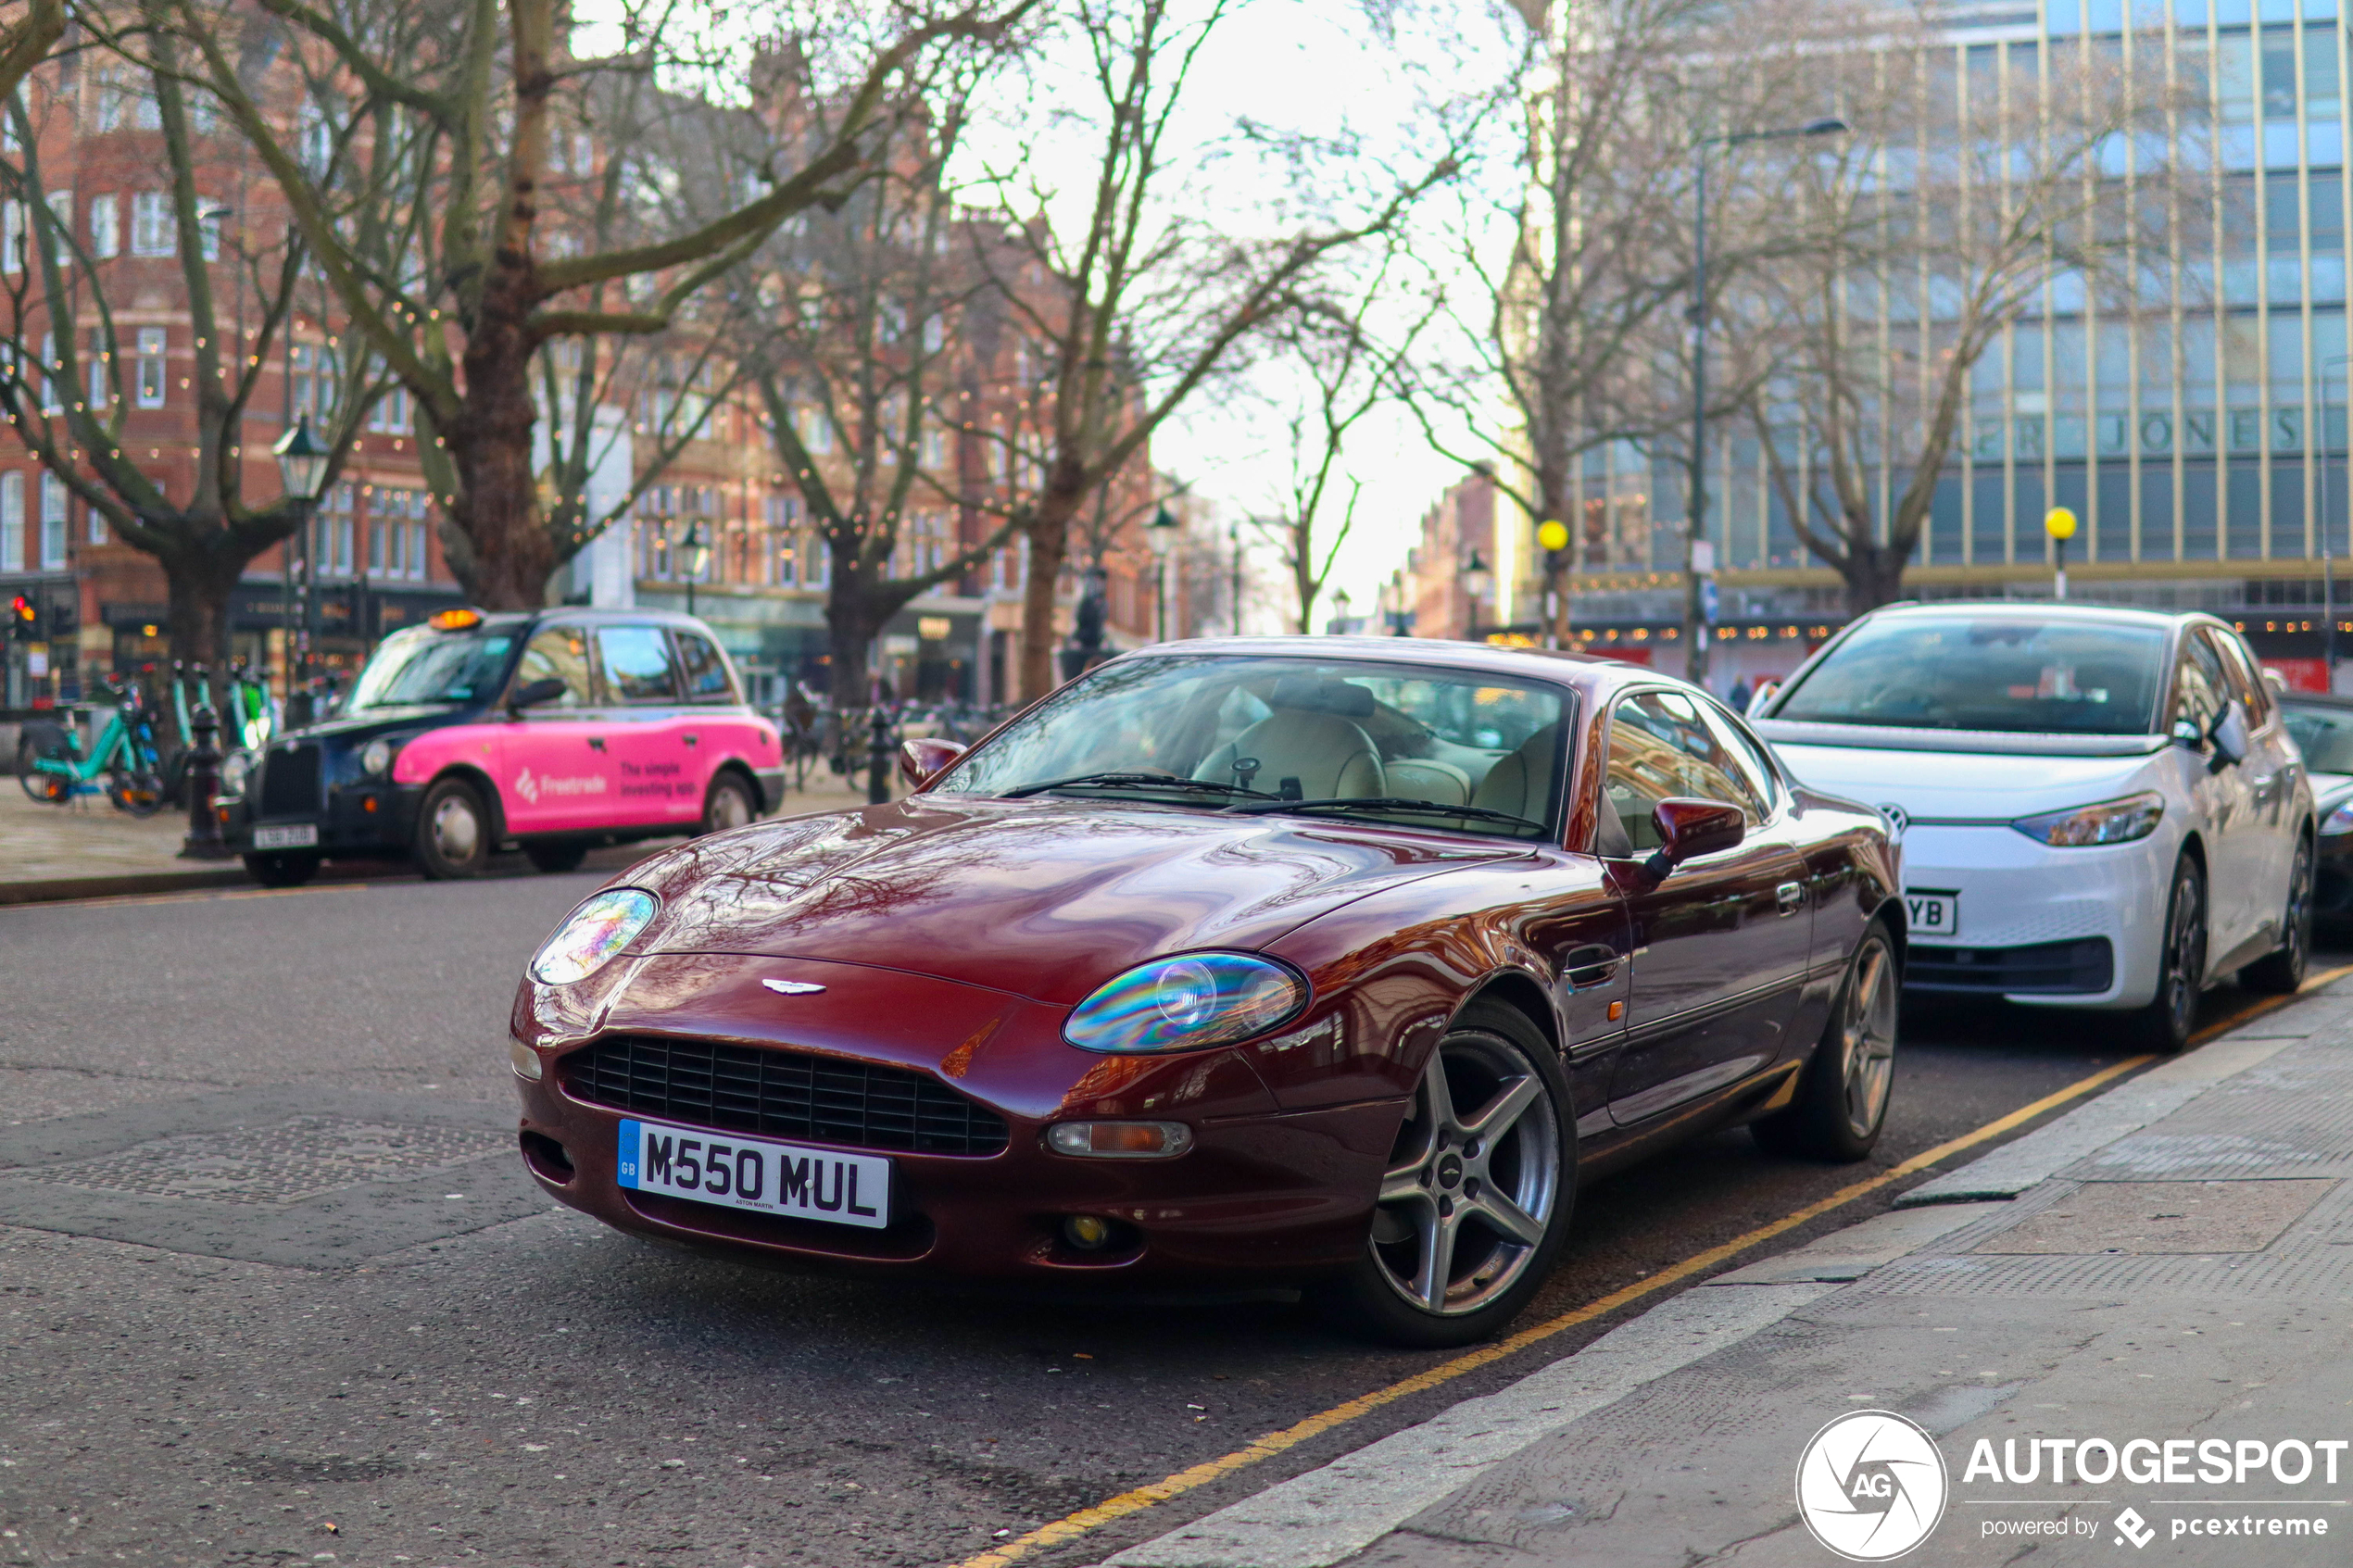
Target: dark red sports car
1317 961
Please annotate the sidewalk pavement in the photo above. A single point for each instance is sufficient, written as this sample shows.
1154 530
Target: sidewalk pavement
2159 1283
86 848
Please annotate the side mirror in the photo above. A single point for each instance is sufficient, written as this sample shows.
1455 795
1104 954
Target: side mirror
2229 736
1691 828
920 761
547 688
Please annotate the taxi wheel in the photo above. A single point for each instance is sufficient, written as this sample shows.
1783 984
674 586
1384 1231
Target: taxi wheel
277 868
727 806
453 831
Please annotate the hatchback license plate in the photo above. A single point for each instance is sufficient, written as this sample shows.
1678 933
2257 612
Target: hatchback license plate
297 835
755 1174
1933 914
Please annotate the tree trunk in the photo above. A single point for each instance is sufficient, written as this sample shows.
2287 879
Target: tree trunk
497 505
1049 535
1874 575
850 638
199 582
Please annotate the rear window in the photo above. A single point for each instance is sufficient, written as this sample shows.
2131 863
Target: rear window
636 661
2008 673
703 670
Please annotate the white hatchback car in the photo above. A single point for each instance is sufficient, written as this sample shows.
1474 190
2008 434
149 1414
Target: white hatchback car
2100 808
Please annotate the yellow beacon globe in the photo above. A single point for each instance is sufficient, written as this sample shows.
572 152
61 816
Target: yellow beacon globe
2059 523
1553 535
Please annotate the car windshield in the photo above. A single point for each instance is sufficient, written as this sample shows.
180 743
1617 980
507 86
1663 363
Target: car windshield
1424 747
2324 734
421 665
2009 674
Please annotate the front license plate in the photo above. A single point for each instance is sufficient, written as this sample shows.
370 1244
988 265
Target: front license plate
1933 914
755 1174
295 835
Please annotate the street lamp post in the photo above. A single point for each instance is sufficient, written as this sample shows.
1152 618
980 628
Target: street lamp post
2328 559
302 469
1695 618
1477 582
696 552
1342 601
1161 533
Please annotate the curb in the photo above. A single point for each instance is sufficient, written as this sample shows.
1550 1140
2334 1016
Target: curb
60 889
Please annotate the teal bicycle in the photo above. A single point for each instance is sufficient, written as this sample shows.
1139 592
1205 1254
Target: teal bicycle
123 766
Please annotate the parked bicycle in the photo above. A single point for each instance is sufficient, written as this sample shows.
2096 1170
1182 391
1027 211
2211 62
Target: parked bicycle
124 765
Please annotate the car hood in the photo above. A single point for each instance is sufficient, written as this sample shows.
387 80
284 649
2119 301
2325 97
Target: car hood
1043 899
1962 785
2330 790
357 729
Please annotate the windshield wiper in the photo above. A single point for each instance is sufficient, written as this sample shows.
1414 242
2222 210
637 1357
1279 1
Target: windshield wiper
1132 781
1389 803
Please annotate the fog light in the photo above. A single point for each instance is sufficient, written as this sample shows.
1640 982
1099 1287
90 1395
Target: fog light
526 1060
1086 1232
1120 1140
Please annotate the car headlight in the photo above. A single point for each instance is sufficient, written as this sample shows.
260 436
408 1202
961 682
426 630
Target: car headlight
1185 1002
592 934
375 757
2337 821
237 767
2110 822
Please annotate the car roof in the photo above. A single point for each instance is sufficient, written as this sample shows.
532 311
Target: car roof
2042 609
507 620
1585 673
2313 700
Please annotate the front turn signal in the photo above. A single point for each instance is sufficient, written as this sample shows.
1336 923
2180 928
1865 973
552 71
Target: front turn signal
1120 1140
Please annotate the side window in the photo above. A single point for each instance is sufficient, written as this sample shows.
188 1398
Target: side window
702 671
2246 678
1746 753
561 653
1660 748
637 664
2199 685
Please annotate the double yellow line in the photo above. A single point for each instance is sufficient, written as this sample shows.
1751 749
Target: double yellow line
1089 1519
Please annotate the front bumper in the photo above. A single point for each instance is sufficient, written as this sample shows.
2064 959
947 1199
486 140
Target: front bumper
1263 1196
378 819
2078 928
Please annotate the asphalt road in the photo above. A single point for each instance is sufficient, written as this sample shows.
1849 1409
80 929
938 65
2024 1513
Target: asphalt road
436 1366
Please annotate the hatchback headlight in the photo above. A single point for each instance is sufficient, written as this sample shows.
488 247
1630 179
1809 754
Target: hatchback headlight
1186 1002
2337 821
2110 822
592 934
375 757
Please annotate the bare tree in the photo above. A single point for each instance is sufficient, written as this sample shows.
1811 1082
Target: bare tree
26 41
1149 301
471 96
1937 222
68 378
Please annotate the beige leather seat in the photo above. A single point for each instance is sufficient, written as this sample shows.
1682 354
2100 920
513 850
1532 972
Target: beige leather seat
1521 781
1421 778
1309 737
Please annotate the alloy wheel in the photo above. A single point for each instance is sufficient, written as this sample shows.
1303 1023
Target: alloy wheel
1473 1180
2298 936
1867 1036
2185 953
456 831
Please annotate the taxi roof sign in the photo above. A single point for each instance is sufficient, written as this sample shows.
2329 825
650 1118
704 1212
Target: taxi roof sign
455 620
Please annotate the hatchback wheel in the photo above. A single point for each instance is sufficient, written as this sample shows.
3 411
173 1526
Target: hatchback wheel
1476 1200
2163 1026
2282 971
1841 1104
453 831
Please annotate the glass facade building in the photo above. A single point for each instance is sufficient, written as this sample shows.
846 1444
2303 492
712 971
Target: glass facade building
2197 429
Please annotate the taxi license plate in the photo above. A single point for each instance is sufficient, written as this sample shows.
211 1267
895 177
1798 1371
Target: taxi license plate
756 1173
296 836
1933 914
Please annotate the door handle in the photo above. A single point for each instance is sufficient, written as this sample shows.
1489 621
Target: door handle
692 739
1791 895
1589 966
596 743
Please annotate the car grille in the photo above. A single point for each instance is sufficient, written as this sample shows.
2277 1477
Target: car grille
290 782
781 1094
2049 969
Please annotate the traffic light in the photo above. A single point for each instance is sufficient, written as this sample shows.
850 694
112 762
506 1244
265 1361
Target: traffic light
24 620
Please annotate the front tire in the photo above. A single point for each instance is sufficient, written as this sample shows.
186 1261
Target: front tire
2280 974
453 831
279 868
1843 1090
727 806
2164 1025
1475 1204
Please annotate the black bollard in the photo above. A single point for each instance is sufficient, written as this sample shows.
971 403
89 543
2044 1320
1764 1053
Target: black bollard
204 841
879 757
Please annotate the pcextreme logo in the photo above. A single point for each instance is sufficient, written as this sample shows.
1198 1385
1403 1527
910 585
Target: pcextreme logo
1871 1485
